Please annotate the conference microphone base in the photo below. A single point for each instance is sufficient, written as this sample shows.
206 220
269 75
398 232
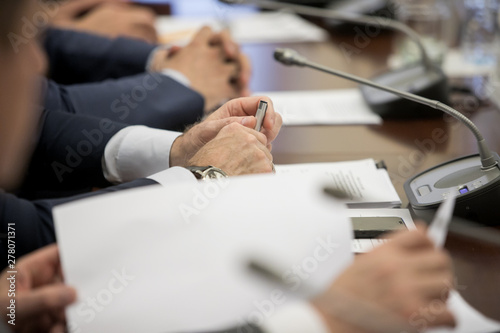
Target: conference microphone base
477 191
418 80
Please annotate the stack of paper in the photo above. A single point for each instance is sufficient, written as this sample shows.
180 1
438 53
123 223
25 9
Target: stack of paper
269 27
323 107
365 184
177 259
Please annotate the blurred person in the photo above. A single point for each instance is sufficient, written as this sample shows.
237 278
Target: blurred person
143 84
109 18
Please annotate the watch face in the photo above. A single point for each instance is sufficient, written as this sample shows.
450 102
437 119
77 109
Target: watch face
214 174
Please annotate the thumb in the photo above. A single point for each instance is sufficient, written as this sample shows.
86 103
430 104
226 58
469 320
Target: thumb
35 302
203 36
76 7
444 319
213 127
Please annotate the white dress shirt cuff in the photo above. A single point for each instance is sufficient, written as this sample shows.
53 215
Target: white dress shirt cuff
298 317
177 76
137 152
173 175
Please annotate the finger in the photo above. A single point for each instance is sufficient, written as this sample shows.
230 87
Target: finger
432 262
173 50
273 133
58 328
260 136
435 288
145 32
202 37
445 318
210 129
245 71
76 7
411 240
43 300
40 266
230 48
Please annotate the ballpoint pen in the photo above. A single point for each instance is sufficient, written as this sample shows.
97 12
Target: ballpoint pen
260 115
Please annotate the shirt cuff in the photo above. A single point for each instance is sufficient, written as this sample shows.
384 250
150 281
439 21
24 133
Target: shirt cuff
137 152
173 175
177 76
298 317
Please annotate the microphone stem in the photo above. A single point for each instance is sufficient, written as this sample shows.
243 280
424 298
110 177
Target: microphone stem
350 17
487 159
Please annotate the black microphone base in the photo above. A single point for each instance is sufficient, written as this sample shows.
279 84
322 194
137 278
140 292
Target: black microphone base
477 191
432 84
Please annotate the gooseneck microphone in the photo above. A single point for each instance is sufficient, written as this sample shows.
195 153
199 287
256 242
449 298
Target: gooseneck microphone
475 179
423 79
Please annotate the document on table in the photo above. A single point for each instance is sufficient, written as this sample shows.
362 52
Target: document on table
267 27
176 259
367 245
365 184
323 107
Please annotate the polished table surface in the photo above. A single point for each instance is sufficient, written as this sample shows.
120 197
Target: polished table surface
407 147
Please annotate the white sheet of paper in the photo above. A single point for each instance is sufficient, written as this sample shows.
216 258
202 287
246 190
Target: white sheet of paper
169 260
367 186
322 107
469 320
267 27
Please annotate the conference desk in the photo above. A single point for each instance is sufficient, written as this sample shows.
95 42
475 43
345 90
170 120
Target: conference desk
407 147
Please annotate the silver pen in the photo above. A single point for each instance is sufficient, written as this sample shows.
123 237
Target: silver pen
260 115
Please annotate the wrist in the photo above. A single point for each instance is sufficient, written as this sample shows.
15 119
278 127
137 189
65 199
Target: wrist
155 63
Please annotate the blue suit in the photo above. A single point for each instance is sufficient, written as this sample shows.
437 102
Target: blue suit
106 78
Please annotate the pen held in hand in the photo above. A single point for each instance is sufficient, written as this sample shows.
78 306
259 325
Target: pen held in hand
260 115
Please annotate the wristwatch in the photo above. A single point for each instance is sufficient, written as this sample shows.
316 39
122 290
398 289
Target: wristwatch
207 172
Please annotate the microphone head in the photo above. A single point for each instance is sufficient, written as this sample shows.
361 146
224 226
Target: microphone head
289 57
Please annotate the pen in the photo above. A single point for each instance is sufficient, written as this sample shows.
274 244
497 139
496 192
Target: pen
260 115
438 229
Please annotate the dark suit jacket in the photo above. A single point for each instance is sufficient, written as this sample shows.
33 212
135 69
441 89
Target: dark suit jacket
67 157
79 57
127 95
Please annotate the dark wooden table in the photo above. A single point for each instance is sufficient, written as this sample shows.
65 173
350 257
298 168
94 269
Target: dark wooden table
398 143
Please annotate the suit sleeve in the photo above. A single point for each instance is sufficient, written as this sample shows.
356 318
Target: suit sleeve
32 223
76 57
150 99
68 155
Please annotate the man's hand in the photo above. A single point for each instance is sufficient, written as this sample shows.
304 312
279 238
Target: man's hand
40 295
110 18
237 150
240 111
214 66
399 286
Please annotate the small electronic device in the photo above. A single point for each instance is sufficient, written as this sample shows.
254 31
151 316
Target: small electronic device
374 227
476 190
